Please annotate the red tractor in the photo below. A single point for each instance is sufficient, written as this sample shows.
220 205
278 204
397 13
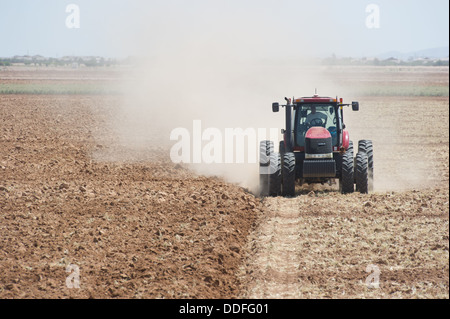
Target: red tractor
316 149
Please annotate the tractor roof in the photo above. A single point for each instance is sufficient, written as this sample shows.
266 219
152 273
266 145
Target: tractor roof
315 99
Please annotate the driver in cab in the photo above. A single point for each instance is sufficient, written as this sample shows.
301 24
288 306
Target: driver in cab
313 117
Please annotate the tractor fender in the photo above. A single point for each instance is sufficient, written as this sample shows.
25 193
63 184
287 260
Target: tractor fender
345 139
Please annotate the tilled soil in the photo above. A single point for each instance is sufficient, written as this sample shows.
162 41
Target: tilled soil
314 246
136 225
146 229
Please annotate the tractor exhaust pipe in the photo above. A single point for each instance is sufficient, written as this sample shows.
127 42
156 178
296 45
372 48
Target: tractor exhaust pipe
288 132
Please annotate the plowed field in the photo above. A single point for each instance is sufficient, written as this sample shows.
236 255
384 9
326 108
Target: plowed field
139 226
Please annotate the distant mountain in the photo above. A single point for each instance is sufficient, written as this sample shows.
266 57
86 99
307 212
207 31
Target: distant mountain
435 53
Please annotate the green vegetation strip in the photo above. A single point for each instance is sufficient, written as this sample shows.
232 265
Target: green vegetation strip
61 89
94 89
405 91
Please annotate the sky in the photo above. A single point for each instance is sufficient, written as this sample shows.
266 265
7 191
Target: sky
262 29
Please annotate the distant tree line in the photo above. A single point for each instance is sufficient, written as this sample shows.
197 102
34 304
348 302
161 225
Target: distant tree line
102 62
333 60
65 61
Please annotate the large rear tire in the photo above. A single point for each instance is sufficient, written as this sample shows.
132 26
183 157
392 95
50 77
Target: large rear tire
362 173
282 148
346 181
350 148
366 146
288 174
265 149
275 175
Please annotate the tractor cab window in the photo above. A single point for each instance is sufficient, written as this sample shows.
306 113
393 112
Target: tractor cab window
310 115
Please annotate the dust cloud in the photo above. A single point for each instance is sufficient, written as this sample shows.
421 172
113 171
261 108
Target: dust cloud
222 64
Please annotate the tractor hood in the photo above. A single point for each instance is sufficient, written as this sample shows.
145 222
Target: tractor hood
317 132
318 142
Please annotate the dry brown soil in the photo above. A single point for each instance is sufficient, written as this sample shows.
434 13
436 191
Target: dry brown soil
140 226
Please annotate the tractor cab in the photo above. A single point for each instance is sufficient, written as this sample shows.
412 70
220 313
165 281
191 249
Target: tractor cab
315 118
315 115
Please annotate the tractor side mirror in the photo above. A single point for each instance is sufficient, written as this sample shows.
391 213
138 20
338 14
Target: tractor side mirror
355 106
275 107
